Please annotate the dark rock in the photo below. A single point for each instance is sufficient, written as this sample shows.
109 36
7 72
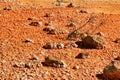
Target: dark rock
29 65
28 40
118 58
117 40
100 34
76 67
32 18
36 23
8 8
112 71
93 41
71 24
70 5
82 55
83 11
49 28
54 62
49 15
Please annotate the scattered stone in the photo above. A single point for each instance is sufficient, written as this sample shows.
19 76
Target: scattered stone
118 58
7 8
100 34
49 23
36 23
70 5
29 65
49 28
112 71
49 15
19 64
71 44
54 62
61 31
32 18
71 24
28 40
93 41
117 40
53 45
76 67
82 55
34 58
84 11
53 30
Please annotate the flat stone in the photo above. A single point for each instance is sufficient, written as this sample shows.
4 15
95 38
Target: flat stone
35 23
54 62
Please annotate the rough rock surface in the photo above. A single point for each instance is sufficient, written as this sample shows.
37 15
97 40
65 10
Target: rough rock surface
112 71
53 45
93 41
54 62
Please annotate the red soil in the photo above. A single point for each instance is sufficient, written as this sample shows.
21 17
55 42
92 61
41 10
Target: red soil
15 28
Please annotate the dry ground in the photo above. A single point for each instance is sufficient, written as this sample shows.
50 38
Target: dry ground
15 28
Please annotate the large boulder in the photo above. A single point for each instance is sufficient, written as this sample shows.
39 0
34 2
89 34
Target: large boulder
93 41
112 71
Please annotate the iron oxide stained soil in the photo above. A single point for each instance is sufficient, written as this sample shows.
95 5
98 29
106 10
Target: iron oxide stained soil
21 45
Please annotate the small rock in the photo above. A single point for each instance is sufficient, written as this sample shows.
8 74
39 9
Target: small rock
71 24
100 34
76 67
35 23
84 11
19 64
118 58
49 28
8 8
60 46
70 5
112 71
117 40
71 44
28 65
54 62
28 40
93 41
49 23
61 31
49 15
53 45
82 55
32 18
34 58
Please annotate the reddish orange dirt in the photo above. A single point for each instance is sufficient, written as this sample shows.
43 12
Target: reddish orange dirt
15 29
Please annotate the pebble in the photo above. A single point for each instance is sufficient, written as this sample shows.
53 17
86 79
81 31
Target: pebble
53 45
35 23
82 55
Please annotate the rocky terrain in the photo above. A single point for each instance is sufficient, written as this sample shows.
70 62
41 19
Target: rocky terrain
52 40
